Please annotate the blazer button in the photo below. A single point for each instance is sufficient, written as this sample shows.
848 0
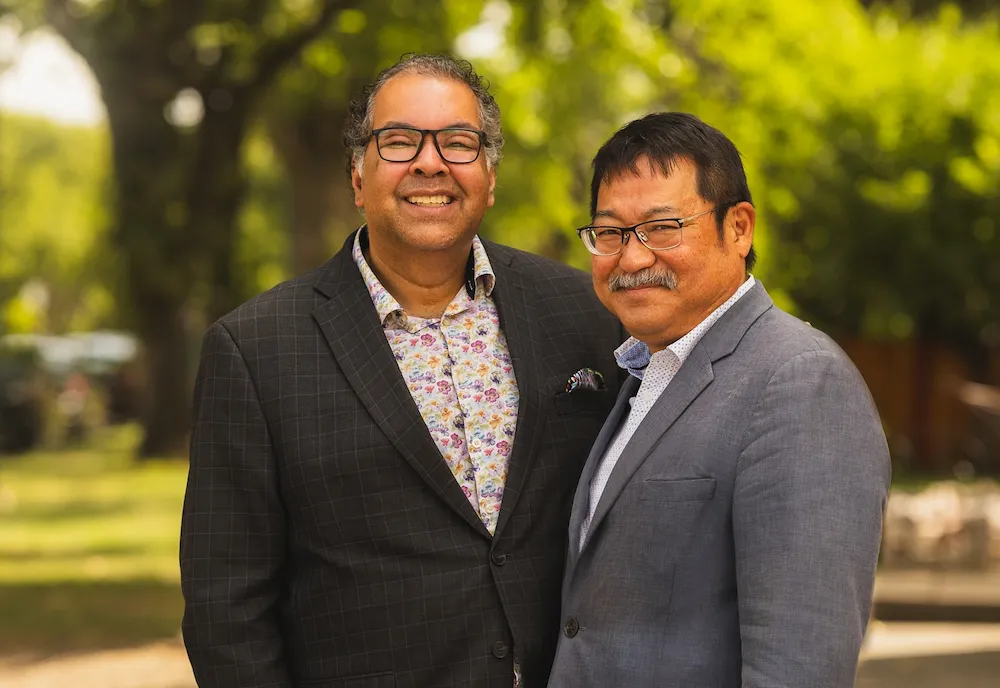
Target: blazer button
498 558
500 649
572 628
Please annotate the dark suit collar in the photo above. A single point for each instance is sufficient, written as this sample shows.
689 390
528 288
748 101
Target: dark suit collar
351 327
581 500
331 272
521 321
694 376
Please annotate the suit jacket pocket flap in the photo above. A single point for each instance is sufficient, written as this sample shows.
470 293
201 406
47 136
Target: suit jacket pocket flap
683 490
584 401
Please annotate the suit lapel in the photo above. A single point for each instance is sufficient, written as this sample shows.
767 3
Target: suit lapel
519 321
693 377
350 325
581 501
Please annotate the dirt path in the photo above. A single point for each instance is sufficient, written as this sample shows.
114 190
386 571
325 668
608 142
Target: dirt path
160 665
897 655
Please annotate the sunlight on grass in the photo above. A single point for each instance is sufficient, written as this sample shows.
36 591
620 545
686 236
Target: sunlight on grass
88 547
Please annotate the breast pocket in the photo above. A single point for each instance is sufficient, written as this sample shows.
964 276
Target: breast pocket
589 402
677 490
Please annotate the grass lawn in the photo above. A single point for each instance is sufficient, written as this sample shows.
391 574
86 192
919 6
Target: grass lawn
88 548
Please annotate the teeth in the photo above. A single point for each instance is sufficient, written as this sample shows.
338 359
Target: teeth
429 200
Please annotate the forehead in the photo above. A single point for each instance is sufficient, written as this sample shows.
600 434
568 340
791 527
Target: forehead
425 102
630 194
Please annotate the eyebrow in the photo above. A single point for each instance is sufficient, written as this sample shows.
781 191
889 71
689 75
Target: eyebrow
660 212
460 124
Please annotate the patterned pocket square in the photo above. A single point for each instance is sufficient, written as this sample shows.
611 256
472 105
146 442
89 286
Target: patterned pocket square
585 378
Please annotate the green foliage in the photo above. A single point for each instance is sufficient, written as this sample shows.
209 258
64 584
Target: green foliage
566 77
877 165
872 142
53 223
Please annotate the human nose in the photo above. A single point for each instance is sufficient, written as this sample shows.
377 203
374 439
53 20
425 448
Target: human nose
634 254
428 161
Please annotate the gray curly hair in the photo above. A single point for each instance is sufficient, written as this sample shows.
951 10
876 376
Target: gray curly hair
358 127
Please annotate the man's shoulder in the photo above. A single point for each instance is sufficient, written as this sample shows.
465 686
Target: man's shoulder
543 272
291 298
780 337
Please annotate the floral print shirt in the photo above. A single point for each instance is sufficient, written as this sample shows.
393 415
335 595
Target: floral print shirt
459 372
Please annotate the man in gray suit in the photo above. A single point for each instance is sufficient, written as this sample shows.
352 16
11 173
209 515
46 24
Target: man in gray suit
726 527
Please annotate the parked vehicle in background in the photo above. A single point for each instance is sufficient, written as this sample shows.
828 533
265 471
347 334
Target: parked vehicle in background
23 383
59 388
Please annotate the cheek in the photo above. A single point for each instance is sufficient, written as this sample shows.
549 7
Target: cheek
600 268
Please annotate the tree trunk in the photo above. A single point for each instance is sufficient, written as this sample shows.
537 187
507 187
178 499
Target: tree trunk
218 185
167 412
160 261
310 147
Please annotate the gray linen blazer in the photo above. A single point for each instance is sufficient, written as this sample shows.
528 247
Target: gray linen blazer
735 543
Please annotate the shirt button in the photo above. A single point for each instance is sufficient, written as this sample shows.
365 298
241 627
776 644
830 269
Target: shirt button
500 649
498 558
572 628
477 443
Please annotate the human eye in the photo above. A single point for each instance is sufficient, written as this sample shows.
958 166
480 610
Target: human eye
606 232
661 226
398 138
458 139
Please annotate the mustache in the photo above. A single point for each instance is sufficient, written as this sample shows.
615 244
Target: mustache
647 277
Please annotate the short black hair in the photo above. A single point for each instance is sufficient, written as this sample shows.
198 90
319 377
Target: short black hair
665 137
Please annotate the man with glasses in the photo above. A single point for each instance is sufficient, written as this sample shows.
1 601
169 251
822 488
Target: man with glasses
385 450
727 523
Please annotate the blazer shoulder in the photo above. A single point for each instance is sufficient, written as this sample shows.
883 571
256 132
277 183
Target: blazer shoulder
543 272
780 337
289 299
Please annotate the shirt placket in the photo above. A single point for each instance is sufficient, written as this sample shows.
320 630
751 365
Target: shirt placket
464 378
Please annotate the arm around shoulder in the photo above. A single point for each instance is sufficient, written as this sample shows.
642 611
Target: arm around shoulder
232 529
809 498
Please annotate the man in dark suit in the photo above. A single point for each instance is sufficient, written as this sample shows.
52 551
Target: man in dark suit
385 450
728 520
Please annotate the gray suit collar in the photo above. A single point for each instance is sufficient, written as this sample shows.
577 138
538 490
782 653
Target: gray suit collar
693 377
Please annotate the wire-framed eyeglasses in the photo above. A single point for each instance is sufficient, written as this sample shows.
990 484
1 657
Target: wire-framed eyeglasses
656 235
456 145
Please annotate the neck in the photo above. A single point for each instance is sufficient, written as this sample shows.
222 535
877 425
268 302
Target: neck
423 282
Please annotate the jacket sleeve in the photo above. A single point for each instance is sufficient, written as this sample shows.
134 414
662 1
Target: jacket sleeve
232 544
810 494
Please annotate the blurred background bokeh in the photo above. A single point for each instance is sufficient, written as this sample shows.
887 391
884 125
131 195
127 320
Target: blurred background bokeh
163 160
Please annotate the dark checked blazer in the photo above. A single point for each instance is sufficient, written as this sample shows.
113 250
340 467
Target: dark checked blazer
324 540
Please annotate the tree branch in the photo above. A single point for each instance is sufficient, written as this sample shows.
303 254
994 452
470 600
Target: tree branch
273 56
59 17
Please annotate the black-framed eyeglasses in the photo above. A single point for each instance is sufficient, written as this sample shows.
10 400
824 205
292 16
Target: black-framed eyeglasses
656 235
456 145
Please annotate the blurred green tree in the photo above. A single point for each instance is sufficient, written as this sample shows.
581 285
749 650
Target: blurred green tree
53 216
305 113
870 140
180 81
877 149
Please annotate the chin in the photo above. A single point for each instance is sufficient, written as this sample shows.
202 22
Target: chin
436 237
644 328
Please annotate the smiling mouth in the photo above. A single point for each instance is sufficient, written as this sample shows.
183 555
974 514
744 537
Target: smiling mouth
430 201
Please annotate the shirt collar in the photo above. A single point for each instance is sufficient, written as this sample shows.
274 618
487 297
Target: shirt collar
479 277
633 355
